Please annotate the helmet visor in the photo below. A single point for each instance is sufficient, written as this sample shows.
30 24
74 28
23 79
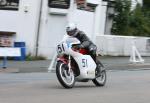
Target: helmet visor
71 33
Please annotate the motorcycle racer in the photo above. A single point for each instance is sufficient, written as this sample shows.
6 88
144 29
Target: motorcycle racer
86 43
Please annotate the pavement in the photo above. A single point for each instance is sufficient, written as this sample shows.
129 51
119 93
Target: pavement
110 63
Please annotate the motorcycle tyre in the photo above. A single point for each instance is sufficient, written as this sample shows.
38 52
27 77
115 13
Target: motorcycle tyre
59 63
97 83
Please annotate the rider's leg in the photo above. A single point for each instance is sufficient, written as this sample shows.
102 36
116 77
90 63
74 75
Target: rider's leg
98 65
92 52
93 55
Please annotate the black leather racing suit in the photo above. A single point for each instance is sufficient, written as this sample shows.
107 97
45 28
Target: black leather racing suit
87 43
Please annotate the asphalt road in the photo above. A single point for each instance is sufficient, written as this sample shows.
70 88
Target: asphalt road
121 87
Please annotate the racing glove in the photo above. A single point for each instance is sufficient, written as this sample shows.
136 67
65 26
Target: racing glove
78 46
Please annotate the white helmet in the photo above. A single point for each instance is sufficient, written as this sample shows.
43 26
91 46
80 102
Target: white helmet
71 27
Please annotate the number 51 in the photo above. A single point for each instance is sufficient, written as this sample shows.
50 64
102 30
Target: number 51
84 62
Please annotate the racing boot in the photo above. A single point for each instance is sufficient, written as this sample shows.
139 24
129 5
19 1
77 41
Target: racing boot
98 70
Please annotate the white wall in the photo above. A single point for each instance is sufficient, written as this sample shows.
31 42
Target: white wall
52 35
103 18
24 24
84 21
52 30
53 27
8 20
121 45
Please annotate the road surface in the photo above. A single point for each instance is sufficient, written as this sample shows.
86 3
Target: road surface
121 87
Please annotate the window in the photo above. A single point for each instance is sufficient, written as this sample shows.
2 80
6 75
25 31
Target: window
6 38
9 4
64 4
82 5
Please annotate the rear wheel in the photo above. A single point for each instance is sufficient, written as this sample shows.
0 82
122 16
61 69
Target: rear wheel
101 79
65 77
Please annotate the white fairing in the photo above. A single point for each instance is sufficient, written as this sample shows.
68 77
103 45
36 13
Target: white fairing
86 64
67 43
87 67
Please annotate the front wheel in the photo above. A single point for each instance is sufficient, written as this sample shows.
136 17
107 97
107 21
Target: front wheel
100 80
65 77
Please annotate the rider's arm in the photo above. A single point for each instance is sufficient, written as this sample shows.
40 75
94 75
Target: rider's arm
85 41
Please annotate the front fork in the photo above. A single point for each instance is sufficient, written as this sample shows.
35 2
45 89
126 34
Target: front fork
69 64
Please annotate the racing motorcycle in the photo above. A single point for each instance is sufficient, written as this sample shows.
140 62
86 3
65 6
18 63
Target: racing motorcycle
75 65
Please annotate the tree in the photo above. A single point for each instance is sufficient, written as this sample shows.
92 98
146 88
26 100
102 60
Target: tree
121 17
139 24
146 4
127 22
146 8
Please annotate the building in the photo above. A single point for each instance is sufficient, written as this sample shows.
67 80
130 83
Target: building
41 23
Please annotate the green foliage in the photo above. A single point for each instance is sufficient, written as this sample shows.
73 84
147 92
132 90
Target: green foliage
29 57
133 23
146 3
122 12
146 8
139 23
